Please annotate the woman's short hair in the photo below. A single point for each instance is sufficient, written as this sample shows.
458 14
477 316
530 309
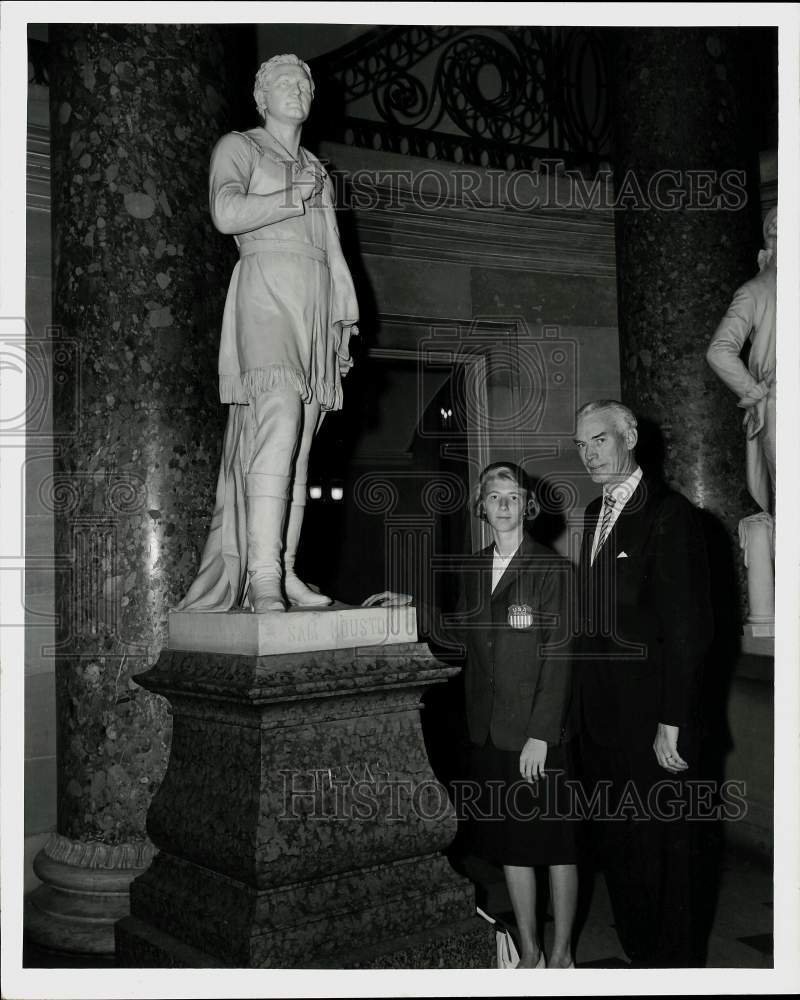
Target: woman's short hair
513 473
268 68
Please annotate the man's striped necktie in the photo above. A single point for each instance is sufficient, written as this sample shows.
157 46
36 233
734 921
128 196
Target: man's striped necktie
605 524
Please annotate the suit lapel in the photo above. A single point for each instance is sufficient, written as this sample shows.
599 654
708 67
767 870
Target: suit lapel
634 521
629 530
589 525
483 580
508 586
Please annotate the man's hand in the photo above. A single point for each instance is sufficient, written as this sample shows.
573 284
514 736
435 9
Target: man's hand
309 181
665 746
532 758
388 599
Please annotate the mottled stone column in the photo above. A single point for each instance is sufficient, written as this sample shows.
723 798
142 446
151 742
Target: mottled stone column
687 237
140 277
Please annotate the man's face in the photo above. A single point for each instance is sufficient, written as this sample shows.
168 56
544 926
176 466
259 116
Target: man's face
287 95
606 451
504 503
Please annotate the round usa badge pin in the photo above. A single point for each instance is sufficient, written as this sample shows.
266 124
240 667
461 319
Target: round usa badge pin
520 616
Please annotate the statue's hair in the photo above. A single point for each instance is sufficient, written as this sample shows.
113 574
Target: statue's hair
624 419
770 221
769 230
269 67
513 473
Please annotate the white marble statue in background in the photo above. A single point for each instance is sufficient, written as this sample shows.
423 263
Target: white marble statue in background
290 312
751 314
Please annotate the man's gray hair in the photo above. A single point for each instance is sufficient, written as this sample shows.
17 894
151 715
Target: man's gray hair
624 419
268 68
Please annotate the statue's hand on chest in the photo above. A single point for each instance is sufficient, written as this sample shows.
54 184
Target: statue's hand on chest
310 180
270 176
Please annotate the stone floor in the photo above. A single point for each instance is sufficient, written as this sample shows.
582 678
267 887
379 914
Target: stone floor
741 935
741 931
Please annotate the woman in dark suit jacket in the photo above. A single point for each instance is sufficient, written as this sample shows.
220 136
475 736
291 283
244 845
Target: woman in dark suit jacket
513 623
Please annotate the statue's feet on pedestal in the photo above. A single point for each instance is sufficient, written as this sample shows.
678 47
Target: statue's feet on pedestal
265 595
301 596
254 633
262 604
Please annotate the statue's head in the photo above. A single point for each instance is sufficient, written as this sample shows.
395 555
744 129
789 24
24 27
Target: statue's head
770 230
284 89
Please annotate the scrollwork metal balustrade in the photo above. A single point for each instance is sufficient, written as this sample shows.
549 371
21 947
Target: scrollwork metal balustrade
503 97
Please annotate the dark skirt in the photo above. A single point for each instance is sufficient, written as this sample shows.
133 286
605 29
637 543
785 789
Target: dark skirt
513 822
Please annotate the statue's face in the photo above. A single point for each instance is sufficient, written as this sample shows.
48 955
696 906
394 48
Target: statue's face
287 95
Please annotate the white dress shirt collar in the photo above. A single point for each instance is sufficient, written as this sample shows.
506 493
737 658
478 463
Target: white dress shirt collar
622 492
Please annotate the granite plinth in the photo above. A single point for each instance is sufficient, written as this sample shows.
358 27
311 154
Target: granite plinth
349 918
759 638
463 944
296 631
299 821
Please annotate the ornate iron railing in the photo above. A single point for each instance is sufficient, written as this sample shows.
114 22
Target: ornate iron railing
501 97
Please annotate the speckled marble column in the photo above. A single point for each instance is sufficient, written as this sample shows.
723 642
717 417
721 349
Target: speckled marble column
140 277
687 237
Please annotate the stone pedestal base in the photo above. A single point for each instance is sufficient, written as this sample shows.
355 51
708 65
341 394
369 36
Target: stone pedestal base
759 639
84 892
299 823
469 944
389 916
757 541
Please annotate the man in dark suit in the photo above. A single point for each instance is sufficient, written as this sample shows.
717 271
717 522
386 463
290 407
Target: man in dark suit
643 624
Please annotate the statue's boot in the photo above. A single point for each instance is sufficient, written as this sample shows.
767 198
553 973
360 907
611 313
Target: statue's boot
266 514
298 593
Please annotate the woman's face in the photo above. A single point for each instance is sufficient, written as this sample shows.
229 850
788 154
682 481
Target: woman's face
504 502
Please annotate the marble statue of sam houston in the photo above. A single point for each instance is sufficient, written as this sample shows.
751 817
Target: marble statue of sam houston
290 312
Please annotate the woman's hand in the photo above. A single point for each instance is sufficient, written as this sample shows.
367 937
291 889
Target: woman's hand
388 599
532 758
